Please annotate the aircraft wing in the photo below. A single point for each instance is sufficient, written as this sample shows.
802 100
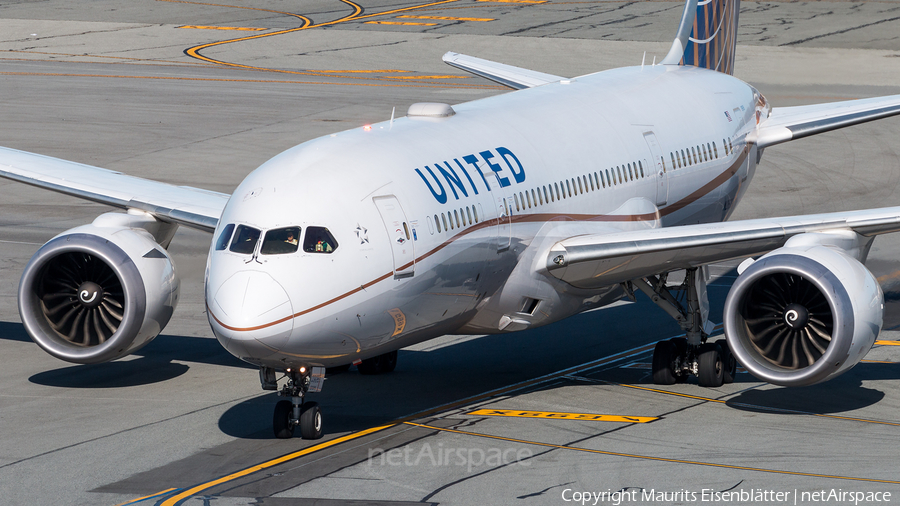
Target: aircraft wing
191 207
516 78
789 123
592 261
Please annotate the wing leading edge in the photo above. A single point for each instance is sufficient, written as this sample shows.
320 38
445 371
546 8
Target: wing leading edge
592 261
516 78
791 123
191 207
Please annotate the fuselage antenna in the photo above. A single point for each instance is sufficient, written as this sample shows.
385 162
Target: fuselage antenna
392 118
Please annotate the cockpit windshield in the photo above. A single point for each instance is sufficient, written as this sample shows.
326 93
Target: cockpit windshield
280 241
319 240
224 237
245 239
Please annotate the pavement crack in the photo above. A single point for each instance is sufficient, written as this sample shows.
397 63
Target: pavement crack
352 47
78 34
125 431
838 32
542 492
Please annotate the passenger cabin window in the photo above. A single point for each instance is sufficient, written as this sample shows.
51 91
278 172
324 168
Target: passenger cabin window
281 241
319 240
224 237
245 239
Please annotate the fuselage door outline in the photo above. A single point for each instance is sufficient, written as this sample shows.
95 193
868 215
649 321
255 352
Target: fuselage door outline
662 176
397 227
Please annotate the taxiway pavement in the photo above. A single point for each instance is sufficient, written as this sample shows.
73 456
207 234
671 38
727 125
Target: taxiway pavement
109 83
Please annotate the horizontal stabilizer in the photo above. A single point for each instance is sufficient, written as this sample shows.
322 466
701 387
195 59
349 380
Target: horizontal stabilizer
516 78
593 261
790 123
184 205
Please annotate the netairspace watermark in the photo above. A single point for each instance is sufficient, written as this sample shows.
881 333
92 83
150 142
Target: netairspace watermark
708 495
470 458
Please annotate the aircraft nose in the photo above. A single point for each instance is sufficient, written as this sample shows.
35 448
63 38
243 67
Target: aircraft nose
251 314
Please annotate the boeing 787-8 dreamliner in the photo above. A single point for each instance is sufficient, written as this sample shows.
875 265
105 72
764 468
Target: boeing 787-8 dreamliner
491 216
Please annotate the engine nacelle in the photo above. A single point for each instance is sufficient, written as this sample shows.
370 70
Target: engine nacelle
98 292
803 314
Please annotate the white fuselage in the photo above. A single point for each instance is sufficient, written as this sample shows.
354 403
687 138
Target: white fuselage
400 200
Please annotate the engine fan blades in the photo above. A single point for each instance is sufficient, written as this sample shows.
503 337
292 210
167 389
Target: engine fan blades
81 298
788 320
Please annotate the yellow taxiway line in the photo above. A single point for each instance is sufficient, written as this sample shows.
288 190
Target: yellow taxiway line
404 23
172 501
392 83
239 28
593 417
756 406
650 457
446 18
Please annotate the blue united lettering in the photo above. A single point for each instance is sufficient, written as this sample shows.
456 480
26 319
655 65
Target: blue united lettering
458 178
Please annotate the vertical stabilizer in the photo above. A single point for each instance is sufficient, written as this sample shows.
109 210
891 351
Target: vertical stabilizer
707 35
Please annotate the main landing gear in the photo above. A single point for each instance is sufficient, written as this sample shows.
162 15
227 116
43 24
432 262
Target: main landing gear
296 412
676 359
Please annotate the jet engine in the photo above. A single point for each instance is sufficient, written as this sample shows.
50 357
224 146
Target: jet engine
98 292
803 313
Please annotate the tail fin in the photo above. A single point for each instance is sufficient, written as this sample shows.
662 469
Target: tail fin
707 35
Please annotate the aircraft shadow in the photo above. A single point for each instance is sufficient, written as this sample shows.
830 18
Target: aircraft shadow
426 379
159 361
13 331
840 395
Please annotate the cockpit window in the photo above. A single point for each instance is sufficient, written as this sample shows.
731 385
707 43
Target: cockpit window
281 241
224 237
245 239
319 240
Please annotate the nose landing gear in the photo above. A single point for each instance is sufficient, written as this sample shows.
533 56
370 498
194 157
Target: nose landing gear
296 412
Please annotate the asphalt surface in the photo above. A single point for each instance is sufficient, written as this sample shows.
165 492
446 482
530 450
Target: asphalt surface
112 83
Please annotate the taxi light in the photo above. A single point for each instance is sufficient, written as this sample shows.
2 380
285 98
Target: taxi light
302 370
367 128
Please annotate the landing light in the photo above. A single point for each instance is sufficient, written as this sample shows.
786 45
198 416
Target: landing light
302 370
367 128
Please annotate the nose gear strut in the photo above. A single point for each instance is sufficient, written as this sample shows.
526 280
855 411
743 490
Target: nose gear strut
296 411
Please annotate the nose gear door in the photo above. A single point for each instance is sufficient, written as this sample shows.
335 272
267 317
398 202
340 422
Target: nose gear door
399 234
